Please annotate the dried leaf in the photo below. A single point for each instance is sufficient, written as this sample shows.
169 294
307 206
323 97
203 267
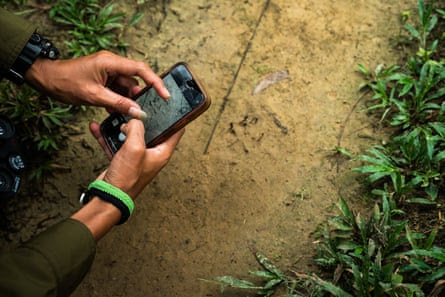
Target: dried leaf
270 80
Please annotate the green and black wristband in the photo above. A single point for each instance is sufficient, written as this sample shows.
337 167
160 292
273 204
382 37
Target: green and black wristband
110 194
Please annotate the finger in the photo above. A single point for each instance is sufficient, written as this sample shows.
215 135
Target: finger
135 90
114 101
95 130
134 131
123 85
117 65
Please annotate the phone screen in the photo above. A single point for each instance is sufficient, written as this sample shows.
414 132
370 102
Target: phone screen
163 113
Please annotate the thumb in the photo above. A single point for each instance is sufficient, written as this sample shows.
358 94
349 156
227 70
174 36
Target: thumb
134 131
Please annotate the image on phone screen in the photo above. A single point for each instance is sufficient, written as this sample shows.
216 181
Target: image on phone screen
163 113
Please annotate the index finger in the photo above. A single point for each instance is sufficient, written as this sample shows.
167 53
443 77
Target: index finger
124 66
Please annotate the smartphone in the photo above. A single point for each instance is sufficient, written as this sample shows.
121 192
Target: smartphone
165 117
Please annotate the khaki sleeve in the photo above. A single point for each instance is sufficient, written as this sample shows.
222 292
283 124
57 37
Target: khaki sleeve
51 264
14 33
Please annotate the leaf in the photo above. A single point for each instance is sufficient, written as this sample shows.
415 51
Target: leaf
331 288
347 246
412 31
373 169
235 283
410 238
262 273
270 80
272 283
432 191
430 240
344 151
265 262
136 18
439 127
435 253
396 279
363 69
345 209
438 274
376 176
420 201
340 225
439 157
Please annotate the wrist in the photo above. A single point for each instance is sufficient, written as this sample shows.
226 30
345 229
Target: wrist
36 47
35 76
98 216
110 194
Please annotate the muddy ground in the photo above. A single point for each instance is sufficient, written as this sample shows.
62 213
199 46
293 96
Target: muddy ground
255 170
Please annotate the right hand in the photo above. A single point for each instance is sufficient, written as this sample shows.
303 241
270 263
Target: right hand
134 166
100 79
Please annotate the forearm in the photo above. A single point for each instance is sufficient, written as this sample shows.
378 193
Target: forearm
98 216
51 264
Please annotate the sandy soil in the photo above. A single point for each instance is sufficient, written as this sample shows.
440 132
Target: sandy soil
254 169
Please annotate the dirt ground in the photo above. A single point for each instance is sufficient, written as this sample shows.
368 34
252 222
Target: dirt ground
253 170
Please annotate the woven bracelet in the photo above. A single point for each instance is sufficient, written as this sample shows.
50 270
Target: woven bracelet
110 194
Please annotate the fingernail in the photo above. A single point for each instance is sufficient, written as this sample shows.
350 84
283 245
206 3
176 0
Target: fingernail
168 93
137 113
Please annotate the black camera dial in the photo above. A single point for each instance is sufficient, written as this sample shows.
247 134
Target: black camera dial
16 162
7 129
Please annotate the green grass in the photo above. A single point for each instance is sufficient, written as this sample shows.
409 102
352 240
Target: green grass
92 25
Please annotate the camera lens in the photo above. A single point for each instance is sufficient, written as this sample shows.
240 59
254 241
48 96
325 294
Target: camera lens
6 128
6 181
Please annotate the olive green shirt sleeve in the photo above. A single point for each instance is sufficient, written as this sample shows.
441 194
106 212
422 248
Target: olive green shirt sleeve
51 264
14 33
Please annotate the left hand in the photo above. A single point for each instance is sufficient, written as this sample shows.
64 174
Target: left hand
134 166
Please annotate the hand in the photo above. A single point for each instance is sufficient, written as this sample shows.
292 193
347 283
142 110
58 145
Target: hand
101 79
134 166
131 169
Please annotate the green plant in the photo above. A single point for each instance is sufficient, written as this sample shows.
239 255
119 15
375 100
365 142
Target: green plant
412 99
427 23
414 162
379 256
92 27
271 273
369 256
38 122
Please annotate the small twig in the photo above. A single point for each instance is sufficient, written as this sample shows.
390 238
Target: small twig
235 77
276 121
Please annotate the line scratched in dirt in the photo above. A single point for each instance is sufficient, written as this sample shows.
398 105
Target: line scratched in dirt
235 77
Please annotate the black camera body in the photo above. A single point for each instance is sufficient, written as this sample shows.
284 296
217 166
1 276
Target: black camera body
11 159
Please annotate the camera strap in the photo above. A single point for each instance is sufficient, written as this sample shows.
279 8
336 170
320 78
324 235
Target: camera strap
110 194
